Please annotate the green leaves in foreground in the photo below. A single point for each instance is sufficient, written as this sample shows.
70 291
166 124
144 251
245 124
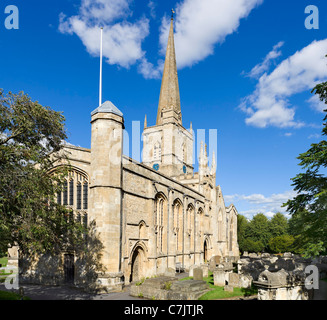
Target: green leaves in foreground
309 207
31 138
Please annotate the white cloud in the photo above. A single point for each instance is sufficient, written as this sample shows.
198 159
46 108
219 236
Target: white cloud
200 25
121 40
249 205
262 67
317 104
269 104
314 136
149 71
152 7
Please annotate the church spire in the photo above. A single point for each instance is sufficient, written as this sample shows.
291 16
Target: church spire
169 109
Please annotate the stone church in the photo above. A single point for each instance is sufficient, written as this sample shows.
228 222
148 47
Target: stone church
154 215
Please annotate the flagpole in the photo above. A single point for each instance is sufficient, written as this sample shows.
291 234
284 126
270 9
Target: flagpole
100 89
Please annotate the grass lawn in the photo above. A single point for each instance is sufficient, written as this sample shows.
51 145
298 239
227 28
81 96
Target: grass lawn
4 261
4 295
219 293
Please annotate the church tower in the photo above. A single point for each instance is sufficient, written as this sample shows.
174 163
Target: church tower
106 189
168 146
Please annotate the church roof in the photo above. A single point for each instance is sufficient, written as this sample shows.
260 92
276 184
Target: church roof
107 107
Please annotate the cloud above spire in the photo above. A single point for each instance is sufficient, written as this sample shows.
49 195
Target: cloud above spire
200 25
122 39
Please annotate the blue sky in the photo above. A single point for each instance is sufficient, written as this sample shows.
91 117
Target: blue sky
246 68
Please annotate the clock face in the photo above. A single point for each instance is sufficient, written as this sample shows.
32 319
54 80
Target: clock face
184 169
156 166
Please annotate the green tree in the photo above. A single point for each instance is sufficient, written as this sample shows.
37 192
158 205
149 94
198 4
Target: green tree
29 214
278 225
310 205
242 224
253 246
258 229
281 244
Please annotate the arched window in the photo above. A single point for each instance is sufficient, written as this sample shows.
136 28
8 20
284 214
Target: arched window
178 225
161 213
74 192
142 230
190 226
200 222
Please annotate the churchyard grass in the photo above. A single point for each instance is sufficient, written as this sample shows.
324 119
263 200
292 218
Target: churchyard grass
5 295
4 261
218 292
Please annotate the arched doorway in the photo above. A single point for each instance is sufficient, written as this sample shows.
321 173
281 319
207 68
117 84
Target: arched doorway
205 251
137 267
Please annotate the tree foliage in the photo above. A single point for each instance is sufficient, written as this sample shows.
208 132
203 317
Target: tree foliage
281 244
309 207
258 229
30 137
275 235
278 225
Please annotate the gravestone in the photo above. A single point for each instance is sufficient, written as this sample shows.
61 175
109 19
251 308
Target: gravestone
219 277
234 280
245 281
228 288
198 274
170 272
191 268
205 269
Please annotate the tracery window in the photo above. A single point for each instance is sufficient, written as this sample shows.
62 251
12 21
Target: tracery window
178 225
74 194
161 213
190 226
